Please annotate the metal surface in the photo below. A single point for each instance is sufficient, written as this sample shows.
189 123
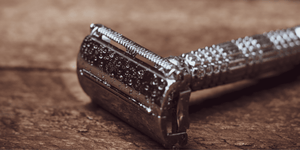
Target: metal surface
154 99
243 58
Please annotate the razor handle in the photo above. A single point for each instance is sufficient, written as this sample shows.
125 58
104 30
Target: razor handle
154 97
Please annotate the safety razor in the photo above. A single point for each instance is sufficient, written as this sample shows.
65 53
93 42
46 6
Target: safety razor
151 93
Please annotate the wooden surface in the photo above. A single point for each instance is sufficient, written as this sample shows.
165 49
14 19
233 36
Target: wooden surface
43 106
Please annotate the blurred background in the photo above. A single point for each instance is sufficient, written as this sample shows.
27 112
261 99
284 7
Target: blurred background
43 106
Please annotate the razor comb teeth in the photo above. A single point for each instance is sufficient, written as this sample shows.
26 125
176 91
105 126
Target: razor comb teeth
132 47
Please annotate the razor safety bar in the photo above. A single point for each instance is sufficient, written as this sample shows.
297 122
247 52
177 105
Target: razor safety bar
154 97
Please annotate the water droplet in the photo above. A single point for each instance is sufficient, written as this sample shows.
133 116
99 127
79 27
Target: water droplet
152 100
119 64
155 82
154 93
141 72
161 87
138 82
100 56
111 55
119 71
146 87
130 82
127 66
130 91
112 75
127 73
133 70
81 73
105 50
148 110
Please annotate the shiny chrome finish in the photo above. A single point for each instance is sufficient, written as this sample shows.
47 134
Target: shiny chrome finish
155 99
244 58
144 96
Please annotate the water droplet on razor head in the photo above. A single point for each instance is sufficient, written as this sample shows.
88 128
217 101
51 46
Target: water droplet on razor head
141 72
154 93
104 50
127 73
112 75
105 82
155 82
146 87
148 110
129 82
161 87
111 55
100 56
119 64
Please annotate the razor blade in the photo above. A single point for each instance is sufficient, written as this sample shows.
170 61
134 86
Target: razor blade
152 93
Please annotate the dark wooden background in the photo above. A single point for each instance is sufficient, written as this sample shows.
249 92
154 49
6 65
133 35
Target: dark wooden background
43 106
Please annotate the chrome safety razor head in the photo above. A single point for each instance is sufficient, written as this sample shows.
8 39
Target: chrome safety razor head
152 97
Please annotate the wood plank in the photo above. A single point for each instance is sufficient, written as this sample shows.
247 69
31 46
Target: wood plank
43 106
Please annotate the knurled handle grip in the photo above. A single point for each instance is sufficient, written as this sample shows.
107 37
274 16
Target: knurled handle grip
243 58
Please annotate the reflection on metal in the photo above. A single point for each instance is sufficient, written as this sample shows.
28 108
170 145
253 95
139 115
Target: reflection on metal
155 99
297 30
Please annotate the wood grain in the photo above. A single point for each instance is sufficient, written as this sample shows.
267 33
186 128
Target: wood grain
42 105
